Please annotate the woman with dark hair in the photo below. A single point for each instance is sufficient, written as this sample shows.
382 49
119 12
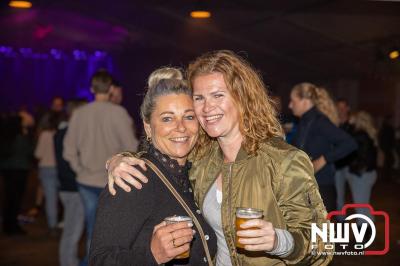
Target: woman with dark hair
45 153
16 161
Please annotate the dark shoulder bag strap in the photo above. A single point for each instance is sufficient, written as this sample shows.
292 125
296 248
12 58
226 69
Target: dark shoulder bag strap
184 205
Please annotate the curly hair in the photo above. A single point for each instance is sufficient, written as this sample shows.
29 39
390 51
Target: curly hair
258 115
363 121
320 98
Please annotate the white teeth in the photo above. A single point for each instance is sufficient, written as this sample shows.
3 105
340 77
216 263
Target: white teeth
180 139
214 117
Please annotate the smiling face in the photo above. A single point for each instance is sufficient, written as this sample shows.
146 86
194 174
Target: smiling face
214 106
173 126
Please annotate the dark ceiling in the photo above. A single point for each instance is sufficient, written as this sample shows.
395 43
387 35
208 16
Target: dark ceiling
286 39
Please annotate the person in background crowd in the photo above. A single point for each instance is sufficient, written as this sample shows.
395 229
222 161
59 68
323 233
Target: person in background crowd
45 118
287 121
56 110
361 172
319 136
116 93
95 132
397 149
387 142
16 156
44 152
343 108
74 215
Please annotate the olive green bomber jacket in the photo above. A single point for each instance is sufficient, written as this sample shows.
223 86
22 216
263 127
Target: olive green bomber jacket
279 179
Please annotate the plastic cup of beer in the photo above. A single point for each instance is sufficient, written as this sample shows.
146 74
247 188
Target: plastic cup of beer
177 219
243 215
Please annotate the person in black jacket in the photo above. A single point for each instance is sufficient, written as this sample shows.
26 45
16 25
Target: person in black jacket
127 229
319 136
361 173
387 144
16 157
74 214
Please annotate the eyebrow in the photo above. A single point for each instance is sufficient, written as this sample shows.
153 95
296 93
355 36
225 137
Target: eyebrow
171 113
213 92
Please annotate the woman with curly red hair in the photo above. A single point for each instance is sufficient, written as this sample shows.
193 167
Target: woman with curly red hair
241 160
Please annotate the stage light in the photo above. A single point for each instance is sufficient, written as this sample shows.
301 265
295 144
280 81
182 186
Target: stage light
20 4
394 54
200 14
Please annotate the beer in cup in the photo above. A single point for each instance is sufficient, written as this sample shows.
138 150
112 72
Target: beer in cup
177 219
242 216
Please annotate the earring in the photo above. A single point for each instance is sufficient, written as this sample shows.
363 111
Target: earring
148 139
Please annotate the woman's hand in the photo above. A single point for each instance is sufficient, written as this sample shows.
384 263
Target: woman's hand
319 163
261 238
171 240
120 169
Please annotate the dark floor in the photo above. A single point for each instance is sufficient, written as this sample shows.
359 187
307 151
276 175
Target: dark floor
39 249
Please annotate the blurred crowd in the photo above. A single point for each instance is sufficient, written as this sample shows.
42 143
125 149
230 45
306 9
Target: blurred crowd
69 144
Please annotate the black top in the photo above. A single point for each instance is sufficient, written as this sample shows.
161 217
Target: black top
65 174
317 135
364 158
341 163
125 222
387 137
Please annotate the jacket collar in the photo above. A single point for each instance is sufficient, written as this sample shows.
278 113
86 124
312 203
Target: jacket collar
241 156
309 114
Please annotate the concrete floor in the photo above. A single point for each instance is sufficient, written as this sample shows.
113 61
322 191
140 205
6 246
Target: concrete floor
38 249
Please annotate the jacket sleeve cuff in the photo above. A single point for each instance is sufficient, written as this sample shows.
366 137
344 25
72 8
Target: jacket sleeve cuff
285 244
151 261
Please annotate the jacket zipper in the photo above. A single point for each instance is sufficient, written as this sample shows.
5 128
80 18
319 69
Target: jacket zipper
229 195
230 204
201 204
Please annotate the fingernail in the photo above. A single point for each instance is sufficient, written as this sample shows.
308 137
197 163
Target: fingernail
190 224
194 232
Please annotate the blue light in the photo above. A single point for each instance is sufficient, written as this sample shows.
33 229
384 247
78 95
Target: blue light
6 49
52 53
57 54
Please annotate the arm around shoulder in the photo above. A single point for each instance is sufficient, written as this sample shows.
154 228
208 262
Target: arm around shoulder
123 124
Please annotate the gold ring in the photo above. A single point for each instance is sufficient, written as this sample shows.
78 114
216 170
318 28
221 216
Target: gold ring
173 240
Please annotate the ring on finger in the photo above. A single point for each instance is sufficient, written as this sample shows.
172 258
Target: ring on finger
173 240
